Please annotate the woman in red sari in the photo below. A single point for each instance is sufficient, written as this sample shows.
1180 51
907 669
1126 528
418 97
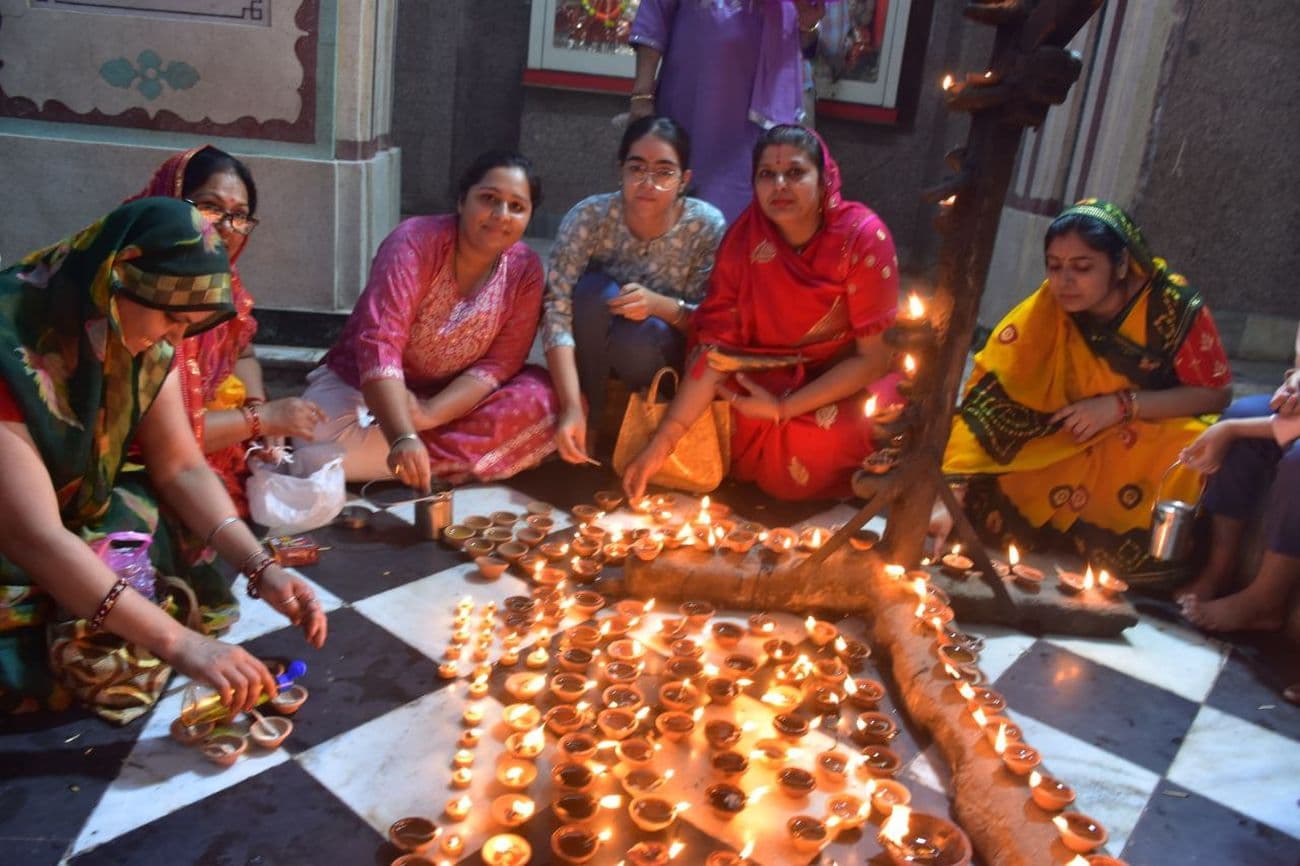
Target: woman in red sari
221 379
802 277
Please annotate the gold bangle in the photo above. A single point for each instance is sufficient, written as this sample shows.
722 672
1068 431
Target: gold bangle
639 96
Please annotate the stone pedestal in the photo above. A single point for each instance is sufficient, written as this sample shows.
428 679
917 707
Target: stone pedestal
94 96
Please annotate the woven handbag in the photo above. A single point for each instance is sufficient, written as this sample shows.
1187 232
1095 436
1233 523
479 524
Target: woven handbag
700 459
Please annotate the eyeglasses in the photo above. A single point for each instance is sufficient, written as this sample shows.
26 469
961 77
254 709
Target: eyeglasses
240 223
660 178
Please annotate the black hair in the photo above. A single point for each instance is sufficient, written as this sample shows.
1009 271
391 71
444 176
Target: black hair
792 134
210 161
491 159
1095 233
666 130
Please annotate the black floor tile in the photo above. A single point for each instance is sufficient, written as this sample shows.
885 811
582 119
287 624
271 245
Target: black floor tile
1247 692
387 553
1099 705
53 771
360 674
1194 831
281 817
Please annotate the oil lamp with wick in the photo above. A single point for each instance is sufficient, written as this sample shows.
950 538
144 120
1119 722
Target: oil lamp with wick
650 853
512 810
732 858
955 563
1080 833
1048 793
913 838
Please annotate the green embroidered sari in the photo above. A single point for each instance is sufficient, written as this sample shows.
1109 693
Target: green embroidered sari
81 392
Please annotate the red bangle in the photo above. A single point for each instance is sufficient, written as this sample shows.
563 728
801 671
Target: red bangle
1123 405
254 418
106 606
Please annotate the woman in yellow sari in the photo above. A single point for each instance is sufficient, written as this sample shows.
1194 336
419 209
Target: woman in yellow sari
1085 394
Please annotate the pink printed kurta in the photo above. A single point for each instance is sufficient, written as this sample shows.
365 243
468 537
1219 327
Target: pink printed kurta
411 324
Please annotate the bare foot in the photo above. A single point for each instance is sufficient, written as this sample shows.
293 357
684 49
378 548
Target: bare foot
1236 612
1206 586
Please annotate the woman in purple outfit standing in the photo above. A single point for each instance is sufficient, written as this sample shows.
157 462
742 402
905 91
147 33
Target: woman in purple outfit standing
730 69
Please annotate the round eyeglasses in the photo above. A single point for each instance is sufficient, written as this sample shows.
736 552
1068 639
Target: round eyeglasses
662 179
240 223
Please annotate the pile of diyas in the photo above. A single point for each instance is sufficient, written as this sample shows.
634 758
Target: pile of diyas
207 724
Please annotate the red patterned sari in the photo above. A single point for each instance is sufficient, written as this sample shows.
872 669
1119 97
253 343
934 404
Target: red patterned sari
766 298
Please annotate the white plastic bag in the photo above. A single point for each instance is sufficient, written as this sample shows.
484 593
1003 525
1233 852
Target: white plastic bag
300 493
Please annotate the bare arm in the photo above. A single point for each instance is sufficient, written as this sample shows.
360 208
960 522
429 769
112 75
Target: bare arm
846 378
643 85
571 431
1181 401
249 371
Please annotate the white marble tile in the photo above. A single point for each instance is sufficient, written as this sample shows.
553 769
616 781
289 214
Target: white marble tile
257 618
1243 766
1002 646
1110 789
929 768
1174 658
421 612
160 776
399 765
486 498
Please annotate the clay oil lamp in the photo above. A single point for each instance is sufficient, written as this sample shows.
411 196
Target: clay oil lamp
512 810
697 613
413 834
725 800
732 858
623 697
996 727
721 734
880 762
956 564
553 550
476 547
957 655
457 534
684 669
585 569
479 686
790 727
614 552
617 724
529 537
721 690
498 535
491 567
469 739
472 715
584 514
654 853
969 674
518 604
674 725
506 849
575 659
727 634
573 807
981 698
1111 585
521 717
854 653
653 813
544 523
190 735
644 505
832 767
640 781
831 672
515 773
874 729
819 631
686 648
762 625
459 808
1023 573
224 749
607 500
808 835
633 608
672 628
1020 759
448 670
621 673
478 522
626 650
911 837
526 745
635 752
811 538
574 843
796 782
584 547
564 718
740 541
679 696
289 700
1050 794
778 650
847 810
572 776
780 541
578 746
1080 833
783 698
770 752
525 686
674 536
888 793
729 765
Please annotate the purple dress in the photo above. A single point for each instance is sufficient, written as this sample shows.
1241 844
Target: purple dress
731 68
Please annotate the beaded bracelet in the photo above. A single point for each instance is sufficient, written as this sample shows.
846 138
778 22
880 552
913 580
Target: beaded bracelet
105 606
254 419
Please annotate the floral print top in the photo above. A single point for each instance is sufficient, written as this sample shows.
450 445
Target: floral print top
595 236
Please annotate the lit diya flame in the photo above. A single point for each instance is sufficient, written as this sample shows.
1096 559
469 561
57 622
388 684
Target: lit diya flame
870 408
611 801
840 644
915 307
747 850
605 835
1035 778
758 793
534 739
1000 741
964 689
909 365
1104 579
895 828
1077 860
919 587
642 713
1013 556
895 571
521 809
979 716
649 606
947 82
956 550
850 686
675 849
920 610
514 774
616 536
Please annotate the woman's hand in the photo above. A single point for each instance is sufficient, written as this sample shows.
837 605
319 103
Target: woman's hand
231 670
1086 418
1207 451
571 434
758 402
294 597
1286 399
941 524
408 460
291 416
644 466
637 303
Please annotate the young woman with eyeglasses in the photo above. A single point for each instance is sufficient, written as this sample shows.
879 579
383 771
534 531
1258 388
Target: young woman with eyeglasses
627 271
220 376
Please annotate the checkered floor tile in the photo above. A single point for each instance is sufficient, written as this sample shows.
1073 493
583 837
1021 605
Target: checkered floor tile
1169 738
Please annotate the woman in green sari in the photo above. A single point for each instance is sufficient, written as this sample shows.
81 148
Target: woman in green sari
87 330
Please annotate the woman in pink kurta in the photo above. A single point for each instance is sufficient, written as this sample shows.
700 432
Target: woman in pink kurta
434 350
